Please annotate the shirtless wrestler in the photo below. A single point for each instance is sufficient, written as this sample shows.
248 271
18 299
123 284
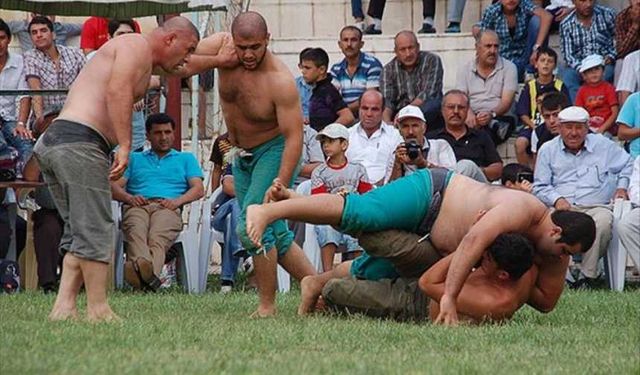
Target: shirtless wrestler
262 112
434 213
73 154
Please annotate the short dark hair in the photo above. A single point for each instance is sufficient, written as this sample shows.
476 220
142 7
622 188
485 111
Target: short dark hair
549 52
510 172
115 24
159 118
513 253
554 100
302 54
318 56
351 28
577 227
41 20
4 27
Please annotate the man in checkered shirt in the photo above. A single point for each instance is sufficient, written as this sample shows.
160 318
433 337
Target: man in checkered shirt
49 66
589 30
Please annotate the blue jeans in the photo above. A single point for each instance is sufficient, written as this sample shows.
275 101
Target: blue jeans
573 79
356 9
24 146
232 250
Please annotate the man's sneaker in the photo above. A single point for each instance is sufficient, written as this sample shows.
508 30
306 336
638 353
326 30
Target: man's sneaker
371 30
360 25
247 265
226 286
453 28
168 274
427 29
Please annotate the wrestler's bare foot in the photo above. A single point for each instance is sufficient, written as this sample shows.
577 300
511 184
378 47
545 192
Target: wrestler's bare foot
310 290
256 223
101 313
264 312
60 313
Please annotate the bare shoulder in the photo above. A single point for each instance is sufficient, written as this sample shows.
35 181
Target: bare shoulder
280 77
133 45
212 43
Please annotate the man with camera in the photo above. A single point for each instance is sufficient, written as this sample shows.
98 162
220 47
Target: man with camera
418 152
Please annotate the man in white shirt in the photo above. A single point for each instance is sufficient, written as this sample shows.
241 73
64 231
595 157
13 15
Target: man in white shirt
629 226
371 141
416 151
629 80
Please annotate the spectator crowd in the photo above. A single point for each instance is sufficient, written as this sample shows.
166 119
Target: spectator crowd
575 117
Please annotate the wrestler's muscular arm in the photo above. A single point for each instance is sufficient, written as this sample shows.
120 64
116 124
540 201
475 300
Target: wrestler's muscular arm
289 117
214 51
131 65
550 282
503 218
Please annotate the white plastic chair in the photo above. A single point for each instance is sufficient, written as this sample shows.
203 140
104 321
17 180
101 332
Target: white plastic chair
189 256
616 253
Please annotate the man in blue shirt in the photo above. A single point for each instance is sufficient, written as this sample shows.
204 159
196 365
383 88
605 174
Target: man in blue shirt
629 123
358 71
583 172
156 184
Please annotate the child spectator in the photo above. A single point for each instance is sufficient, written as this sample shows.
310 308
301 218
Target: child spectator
326 105
597 96
518 177
304 89
552 104
337 176
528 107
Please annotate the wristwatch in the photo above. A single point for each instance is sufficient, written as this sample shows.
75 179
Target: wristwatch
20 123
536 47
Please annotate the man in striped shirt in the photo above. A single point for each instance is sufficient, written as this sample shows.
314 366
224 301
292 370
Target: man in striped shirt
358 71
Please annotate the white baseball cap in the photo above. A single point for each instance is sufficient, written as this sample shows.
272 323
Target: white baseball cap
334 131
573 114
410 111
591 61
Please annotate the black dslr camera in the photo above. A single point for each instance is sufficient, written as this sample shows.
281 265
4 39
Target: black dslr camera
413 149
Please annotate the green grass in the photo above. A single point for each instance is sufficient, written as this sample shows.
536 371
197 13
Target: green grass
588 332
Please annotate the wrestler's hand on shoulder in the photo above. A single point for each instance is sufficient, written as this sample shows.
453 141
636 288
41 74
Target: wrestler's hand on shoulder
227 57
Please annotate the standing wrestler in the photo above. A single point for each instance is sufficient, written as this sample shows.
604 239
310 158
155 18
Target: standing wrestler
74 154
262 112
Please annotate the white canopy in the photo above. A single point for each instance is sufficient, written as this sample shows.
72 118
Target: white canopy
113 8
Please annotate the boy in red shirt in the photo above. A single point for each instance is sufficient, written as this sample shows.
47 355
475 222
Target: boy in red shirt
597 96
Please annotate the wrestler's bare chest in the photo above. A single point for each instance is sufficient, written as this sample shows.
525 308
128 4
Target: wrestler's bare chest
247 95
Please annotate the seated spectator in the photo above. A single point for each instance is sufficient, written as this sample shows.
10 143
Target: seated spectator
552 104
559 9
597 96
490 82
358 71
325 105
49 66
474 150
304 89
588 30
232 250
412 77
418 152
629 124
14 110
627 227
583 172
627 33
517 176
312 155
528 107
155 186
522 28
337 175
629 81
219 150
62 31
95 33
372 141
376 9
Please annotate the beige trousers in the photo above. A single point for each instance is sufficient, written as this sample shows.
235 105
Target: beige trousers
603 216
149 231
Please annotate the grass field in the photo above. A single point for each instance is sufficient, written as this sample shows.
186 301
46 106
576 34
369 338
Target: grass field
589 332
